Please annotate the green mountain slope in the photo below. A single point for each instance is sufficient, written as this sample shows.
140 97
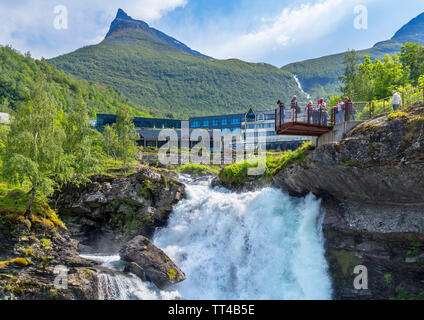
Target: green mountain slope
169 78
319 77
18 73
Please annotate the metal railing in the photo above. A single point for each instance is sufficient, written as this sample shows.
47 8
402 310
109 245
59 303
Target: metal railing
358 110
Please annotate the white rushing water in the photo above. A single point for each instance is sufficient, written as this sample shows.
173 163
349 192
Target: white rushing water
300 86
256 245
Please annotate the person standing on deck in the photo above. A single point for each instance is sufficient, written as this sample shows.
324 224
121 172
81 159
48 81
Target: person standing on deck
349 110
318 110
396 101
309 109
324 114
280 105
294 108
339 112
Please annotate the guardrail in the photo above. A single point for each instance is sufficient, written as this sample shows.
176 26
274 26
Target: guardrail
358 110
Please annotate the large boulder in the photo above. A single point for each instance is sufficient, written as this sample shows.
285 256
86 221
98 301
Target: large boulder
150 263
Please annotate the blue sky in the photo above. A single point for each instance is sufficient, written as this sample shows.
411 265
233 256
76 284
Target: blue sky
272 31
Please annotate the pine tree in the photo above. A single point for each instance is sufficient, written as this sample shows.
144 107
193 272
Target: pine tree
351 60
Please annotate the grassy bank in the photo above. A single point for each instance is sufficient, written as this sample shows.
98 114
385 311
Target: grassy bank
236 175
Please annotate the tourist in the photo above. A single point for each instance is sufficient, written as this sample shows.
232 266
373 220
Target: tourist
294 108
324 114
280 105
339 112
318 112
396 101
309 109
349 110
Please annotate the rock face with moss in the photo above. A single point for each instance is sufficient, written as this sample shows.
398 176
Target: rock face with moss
372 184
32 251
150 263
112 210
254 174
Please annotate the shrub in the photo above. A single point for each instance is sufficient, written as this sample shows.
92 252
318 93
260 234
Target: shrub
197 169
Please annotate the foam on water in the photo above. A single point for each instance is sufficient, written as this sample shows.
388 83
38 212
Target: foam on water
256 245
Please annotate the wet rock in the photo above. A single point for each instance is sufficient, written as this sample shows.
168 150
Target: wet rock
110 211
151 263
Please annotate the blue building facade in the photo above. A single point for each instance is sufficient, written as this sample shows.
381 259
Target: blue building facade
226 123
141 123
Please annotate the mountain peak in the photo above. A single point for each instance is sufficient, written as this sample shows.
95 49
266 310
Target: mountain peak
125 28
122 15
412 31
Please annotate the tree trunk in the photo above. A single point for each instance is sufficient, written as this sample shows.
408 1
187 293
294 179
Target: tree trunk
31 201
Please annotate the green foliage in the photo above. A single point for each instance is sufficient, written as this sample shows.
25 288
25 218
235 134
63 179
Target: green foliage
415 249
110 141
171 274
237 174
388 279
198 170
377 80
34 151
320 77
402 294
412 55
45 244
19 73
351 60
13 204
148 190
173 83
127 137
397 115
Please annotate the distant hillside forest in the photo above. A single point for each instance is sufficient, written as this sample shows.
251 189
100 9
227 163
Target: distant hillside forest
20 73
175 84
320 77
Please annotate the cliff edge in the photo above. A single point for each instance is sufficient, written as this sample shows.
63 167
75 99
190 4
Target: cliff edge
372 183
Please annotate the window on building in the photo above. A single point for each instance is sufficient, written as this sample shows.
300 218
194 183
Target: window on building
215 123
224 122
260 117
205 123
195 124
235 121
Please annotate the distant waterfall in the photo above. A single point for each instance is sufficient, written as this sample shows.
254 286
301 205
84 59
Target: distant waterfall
300 86
256 245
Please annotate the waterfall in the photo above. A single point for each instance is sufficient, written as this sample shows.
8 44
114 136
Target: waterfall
255 245
300 86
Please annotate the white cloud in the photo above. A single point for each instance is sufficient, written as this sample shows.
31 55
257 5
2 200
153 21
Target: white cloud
151 10
28 24
292 26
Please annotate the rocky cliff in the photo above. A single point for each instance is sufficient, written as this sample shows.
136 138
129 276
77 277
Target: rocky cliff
40 254
110 211
372 183
34 250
